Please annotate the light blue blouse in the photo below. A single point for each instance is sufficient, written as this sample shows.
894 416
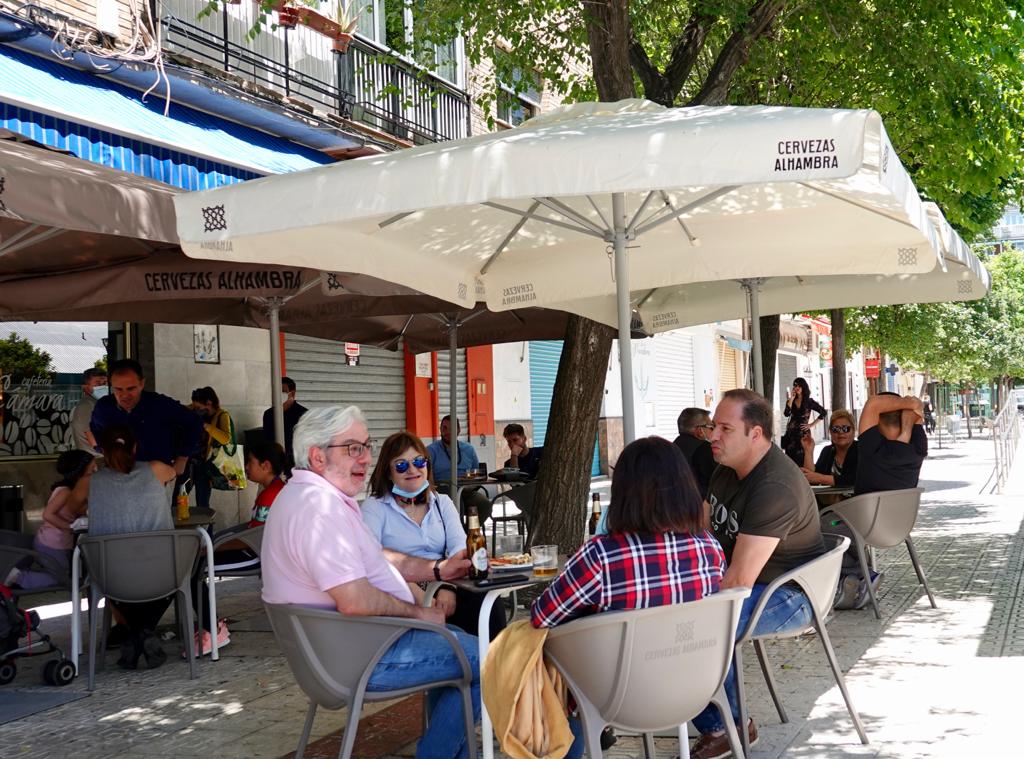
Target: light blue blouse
440 534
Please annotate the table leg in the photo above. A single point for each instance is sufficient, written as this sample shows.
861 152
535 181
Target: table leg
484 639
211 581
76 606
684 741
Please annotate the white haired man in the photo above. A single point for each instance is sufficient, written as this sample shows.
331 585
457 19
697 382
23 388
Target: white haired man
317 552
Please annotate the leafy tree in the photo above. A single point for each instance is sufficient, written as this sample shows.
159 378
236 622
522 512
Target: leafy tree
101 363
20 360
946 78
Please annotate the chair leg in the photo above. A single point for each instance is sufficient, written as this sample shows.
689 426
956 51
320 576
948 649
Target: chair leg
104 629
830 654
94 600
762 658
348 741
741 696
306 730
186 631
592 727
737 742
862 557
470 725
649 751
920 571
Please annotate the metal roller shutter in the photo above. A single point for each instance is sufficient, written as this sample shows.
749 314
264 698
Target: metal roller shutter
444 391
673 363
323 378
544 357
787 373
728 367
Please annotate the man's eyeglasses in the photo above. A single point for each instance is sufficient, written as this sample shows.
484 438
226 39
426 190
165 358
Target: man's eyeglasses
840 428
355 450
402 465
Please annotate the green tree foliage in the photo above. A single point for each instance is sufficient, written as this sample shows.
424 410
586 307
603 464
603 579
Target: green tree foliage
20 360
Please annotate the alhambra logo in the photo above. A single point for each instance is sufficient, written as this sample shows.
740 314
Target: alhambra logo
214 218
801 155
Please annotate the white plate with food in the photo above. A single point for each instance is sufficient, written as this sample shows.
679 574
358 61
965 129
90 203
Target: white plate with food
517 562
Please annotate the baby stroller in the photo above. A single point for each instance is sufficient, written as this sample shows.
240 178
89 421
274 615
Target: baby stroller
15 624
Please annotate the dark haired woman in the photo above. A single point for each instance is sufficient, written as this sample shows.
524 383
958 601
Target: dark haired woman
219 431
68 499
799 405
658 550
408 516
131 496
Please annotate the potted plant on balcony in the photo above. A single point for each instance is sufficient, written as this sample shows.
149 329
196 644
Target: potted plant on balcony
346 16
287 16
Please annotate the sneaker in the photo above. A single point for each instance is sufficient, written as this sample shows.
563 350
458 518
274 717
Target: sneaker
846 595
223 638
712 746
863 597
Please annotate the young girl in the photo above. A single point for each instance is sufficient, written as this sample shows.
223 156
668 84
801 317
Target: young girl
67 502
265 464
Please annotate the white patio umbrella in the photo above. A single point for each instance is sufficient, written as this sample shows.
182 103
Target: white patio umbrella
591 201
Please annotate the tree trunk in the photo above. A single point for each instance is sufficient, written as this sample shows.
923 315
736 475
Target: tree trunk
563 483
838 318
769 350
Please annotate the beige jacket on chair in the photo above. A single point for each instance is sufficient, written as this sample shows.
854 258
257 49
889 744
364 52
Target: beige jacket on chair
525 697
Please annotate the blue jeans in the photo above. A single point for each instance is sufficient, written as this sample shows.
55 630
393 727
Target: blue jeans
420 657
788 609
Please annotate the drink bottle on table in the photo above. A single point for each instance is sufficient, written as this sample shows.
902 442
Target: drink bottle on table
476 548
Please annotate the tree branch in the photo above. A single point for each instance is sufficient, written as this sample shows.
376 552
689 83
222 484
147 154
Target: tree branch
735 52
687 49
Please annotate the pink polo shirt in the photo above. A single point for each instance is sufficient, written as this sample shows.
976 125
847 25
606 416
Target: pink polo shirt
315 539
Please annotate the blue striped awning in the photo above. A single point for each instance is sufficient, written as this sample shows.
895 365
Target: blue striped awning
109 124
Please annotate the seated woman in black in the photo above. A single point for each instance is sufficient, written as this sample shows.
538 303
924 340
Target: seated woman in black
837 463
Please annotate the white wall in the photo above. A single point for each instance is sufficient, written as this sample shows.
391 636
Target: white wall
511 381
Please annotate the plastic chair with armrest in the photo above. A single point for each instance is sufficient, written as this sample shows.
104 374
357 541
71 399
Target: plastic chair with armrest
250 537
883 519
310 639
818 580
16 549
648 670
522 496
136 567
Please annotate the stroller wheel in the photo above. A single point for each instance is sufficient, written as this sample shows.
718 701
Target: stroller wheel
59 672
8 669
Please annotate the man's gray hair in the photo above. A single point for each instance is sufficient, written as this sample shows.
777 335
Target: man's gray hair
691 418
319 426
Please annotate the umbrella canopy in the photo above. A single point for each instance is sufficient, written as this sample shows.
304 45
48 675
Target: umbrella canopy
590 201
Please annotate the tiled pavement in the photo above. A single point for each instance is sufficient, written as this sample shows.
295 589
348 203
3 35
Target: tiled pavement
928 683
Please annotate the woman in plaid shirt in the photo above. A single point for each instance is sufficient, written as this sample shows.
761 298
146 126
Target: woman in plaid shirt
658 550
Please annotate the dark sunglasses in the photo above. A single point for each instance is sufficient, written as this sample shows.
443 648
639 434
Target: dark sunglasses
840 428
402 466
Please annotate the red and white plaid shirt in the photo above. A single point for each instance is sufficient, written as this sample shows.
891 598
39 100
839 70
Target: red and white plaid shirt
631 571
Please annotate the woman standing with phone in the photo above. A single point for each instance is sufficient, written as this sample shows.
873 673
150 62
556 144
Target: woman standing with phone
799 405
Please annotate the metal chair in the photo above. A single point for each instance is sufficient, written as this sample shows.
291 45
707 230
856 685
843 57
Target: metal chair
312 641
650 669
135 567
882 520
17 549
522 496
818 580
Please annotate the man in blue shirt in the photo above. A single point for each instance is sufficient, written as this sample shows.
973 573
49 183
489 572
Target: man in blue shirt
165 430
466 462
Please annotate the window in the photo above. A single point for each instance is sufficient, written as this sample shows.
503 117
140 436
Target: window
519 92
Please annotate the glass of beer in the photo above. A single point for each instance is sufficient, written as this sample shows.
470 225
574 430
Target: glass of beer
545 560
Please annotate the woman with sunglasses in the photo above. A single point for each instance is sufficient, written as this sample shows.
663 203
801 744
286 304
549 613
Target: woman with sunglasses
837 463
409 516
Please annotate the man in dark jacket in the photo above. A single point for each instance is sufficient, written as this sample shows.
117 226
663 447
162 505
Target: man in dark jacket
694 427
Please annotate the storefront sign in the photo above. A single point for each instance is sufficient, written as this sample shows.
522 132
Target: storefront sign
871 368
352 354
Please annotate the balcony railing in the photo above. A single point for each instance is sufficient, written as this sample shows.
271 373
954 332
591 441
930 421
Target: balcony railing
366 84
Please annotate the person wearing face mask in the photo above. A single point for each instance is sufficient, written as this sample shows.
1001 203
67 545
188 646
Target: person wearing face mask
217 426
410 518
293 412
94 387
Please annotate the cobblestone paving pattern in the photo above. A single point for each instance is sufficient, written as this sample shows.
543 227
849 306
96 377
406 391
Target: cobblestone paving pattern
927 682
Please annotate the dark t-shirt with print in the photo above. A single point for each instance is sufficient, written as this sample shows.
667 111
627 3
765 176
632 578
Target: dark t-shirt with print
889 464
773 501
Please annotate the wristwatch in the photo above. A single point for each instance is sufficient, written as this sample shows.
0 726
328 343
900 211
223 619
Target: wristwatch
437 570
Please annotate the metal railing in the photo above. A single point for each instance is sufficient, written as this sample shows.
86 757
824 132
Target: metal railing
1005 434
366 84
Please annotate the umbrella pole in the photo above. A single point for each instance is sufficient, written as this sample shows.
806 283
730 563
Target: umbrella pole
625 315
753 287
453 426
277 402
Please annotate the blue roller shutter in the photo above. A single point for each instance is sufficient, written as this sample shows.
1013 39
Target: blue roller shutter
544 357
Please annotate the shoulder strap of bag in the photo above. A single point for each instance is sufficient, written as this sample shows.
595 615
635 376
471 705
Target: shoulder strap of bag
232 445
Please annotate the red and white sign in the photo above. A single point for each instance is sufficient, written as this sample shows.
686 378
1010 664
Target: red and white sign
871 368
351 349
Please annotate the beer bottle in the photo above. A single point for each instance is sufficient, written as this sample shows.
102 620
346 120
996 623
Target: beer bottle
476 548
595 513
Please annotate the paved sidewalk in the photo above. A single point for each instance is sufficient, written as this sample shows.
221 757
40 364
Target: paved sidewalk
928 683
